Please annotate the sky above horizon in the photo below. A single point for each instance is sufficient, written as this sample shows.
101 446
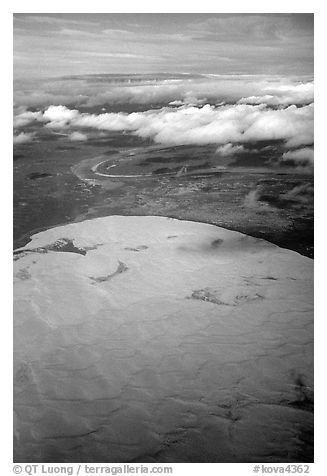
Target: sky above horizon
54 45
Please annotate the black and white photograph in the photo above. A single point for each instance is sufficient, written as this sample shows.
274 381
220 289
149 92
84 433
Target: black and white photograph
163 236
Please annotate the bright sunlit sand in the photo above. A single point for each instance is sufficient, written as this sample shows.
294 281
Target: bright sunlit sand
153 339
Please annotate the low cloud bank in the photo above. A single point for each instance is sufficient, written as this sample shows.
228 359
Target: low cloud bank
282 95
92 91
222 125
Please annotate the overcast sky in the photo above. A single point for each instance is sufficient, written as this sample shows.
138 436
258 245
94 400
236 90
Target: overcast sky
48 45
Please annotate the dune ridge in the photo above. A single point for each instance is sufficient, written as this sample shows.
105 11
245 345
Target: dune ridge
151 339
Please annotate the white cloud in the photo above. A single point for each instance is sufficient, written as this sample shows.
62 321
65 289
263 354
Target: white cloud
26 117
252 199
194 91
147 90
77 136
302 156
229 149
301 193
23 137
294 125
283 95
58 117
226 124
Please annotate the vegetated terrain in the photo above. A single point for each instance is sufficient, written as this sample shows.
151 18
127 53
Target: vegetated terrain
247 192
240 194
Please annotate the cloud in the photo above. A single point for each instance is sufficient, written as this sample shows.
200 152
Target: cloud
255 200
251 200
283 95
53 45
57 117
258 28
302 193
26 117
292 124
303 156
97 90
50 19
77 136
23 137
240 123
202 90
229 149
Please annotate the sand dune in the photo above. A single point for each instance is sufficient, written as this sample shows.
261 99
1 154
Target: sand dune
153 339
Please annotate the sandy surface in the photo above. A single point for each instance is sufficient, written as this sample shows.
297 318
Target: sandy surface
153 339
